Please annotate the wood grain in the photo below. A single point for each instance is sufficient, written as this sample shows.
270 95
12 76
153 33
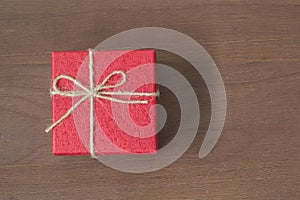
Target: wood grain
256 46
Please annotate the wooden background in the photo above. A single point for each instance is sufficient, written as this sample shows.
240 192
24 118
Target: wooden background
256 46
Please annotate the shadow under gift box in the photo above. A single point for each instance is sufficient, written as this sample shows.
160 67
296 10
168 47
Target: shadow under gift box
119 128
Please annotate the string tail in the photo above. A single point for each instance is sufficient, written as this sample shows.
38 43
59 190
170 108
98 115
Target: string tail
69 112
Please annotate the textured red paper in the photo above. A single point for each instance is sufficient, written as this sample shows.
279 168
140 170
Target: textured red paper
66 139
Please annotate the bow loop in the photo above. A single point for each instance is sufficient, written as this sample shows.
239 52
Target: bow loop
104 84
68 93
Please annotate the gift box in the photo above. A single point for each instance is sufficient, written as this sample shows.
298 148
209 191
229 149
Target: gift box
103 102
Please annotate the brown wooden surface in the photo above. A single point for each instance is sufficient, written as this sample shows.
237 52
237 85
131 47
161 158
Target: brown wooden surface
256 46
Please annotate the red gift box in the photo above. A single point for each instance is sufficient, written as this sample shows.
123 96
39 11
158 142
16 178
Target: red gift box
123 119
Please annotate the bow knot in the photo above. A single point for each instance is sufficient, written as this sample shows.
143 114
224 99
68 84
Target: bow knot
96 92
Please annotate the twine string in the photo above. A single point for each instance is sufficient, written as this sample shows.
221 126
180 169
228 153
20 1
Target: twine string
95 92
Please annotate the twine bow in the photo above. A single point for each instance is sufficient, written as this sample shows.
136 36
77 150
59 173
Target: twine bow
92 92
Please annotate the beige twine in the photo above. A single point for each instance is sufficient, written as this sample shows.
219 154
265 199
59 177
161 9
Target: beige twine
95 92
